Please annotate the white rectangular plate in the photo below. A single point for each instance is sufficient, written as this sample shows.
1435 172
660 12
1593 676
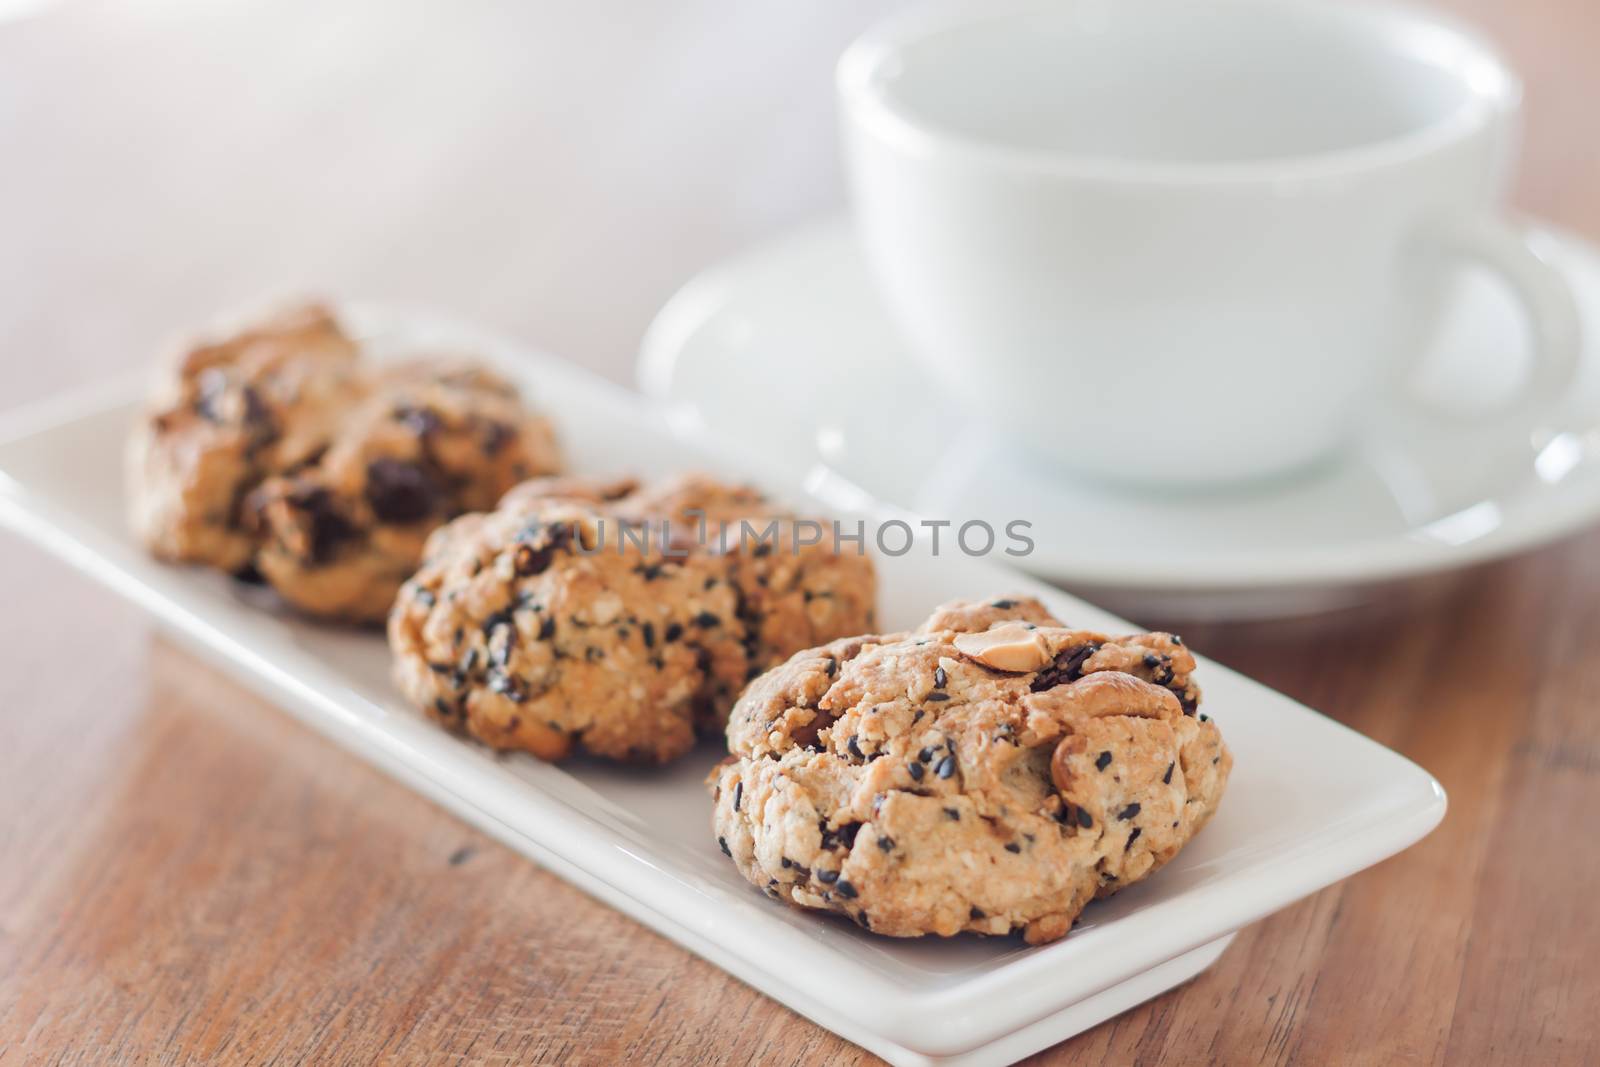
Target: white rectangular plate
1310 801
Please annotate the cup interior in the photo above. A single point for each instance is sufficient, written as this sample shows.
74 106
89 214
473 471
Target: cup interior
1179 82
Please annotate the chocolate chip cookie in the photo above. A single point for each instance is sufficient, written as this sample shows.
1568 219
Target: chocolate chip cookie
277 452
615 619
991 772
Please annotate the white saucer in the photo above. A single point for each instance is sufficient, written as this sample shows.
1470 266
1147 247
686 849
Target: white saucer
788 350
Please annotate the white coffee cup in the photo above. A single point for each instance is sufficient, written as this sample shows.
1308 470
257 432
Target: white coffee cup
1187 241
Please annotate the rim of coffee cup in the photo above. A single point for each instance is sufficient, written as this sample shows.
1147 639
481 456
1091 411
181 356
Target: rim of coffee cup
1493 90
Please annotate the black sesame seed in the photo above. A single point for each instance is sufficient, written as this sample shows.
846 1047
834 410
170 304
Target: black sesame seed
977 913
952 814
527 560
507 686
845 889
723 843
787 862
925 755
1152 660
1075 661
328 528
916 769
886 843
707 620
738 794
1103 761
937 696
1012 846
853 748
1166 779
400 491
1128 812
649 631
1085 820
256 412
1132 838
674 631
946 767
1068 667
832 668
1204 717
940 678
547 628
827 877
1177 640
1003 604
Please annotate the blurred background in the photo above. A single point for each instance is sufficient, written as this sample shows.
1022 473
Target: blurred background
555 170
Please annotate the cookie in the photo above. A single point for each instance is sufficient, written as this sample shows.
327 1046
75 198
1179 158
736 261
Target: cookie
613 619
277 452
991 772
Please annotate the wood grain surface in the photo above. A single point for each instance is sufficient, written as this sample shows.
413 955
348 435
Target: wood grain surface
188 876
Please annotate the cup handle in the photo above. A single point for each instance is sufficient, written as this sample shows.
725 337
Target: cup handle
1505 249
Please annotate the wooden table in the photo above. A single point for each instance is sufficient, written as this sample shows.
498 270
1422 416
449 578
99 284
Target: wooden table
186 875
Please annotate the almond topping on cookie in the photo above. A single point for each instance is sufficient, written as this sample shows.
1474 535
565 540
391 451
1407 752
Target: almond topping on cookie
1011 647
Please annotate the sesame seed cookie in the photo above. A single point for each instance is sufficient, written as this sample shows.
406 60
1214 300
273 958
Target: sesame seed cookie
277 452
544 626
991 772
